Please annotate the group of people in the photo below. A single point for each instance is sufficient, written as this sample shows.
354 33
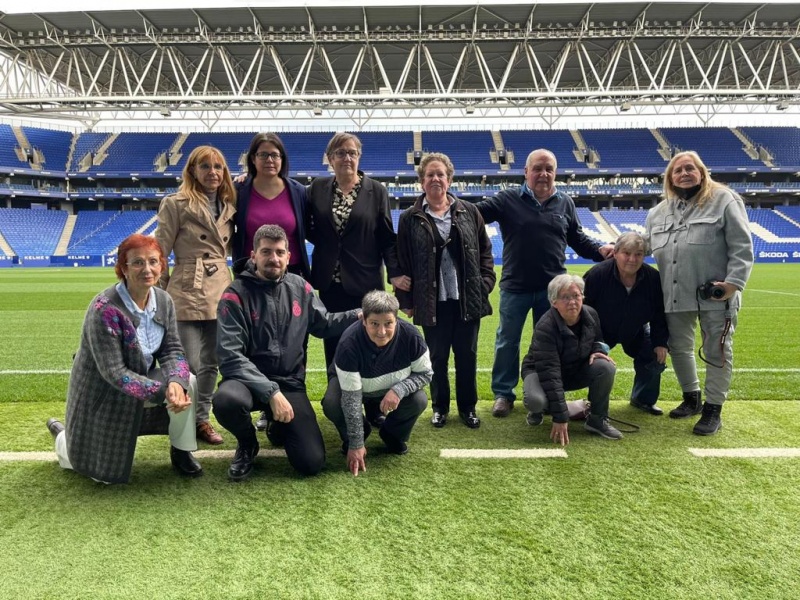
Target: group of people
158 340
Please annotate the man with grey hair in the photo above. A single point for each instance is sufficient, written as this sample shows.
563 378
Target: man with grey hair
536 224
262 320
568 353
384 363
627 295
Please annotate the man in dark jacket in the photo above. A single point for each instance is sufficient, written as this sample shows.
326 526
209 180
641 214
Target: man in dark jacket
568 353
536 223
262 320
626 293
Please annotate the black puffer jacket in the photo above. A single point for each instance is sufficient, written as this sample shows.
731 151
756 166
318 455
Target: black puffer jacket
416 249
556 354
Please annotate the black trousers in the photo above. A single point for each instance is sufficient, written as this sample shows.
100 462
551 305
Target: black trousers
336 299
449 332
302 437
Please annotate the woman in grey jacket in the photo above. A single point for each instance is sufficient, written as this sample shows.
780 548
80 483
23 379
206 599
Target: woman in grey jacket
130 358
700 238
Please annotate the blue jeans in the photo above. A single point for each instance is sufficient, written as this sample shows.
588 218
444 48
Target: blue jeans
647 378
514 309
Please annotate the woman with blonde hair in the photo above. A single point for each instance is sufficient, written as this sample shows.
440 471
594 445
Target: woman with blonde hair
197 225
700 238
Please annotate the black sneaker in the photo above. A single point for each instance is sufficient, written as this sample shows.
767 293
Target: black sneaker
533 419
243 461
710 422
393 445
692 405
601 427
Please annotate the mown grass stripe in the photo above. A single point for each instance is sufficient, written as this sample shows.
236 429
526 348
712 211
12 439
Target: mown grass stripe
503 453
745 452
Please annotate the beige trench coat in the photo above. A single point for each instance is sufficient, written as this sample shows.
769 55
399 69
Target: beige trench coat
201 247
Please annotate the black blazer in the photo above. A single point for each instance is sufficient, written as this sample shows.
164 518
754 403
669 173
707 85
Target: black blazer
367 242
297 194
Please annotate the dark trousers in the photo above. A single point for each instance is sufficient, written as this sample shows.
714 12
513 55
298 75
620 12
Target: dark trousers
398 424
598 377
647 378
336 299
302 437
449 332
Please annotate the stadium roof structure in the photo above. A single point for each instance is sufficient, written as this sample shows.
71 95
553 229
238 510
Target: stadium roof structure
417 62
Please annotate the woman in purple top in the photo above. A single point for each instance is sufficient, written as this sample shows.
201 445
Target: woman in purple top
268 197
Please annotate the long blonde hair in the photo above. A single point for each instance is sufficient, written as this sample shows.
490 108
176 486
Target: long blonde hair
707 185
191 189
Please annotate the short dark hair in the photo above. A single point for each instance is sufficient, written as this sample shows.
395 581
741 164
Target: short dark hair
379 302
270 138
270 232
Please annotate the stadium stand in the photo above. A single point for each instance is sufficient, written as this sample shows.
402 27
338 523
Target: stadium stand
100 232
54 146
32 232
468 150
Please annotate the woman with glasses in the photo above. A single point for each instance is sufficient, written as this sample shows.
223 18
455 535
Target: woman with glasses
130 358
196 224
443 246
568 353
350 226
268 197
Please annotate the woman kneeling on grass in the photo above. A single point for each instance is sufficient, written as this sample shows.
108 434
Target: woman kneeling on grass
568 353
383 364
130 358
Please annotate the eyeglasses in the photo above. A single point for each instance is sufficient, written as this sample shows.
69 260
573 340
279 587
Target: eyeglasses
140 263
273 156
345 153
571 298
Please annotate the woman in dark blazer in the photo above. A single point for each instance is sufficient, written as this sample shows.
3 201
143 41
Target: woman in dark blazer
268 197
350 226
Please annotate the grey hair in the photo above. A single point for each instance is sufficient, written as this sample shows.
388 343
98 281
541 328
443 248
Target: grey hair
379 302
562 282
270 232
630 241
550 153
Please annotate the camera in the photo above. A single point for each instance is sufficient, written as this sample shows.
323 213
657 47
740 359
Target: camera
709 290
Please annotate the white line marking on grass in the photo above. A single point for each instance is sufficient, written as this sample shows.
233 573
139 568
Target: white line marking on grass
772 292
28 456
452 370
745 452
503 453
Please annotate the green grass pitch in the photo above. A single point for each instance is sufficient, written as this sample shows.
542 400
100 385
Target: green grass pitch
639 518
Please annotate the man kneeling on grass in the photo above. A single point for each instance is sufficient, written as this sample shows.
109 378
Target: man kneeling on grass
262 320
384 364
568 353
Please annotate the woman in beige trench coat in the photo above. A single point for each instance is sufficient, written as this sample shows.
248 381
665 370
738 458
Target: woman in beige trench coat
197 225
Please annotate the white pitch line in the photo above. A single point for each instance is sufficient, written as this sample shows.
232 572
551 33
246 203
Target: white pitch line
452 370
745 452
502 453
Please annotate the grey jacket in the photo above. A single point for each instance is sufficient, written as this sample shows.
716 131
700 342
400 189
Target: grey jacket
705 243
109 385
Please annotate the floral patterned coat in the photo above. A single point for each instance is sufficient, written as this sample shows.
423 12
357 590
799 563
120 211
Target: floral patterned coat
110 384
